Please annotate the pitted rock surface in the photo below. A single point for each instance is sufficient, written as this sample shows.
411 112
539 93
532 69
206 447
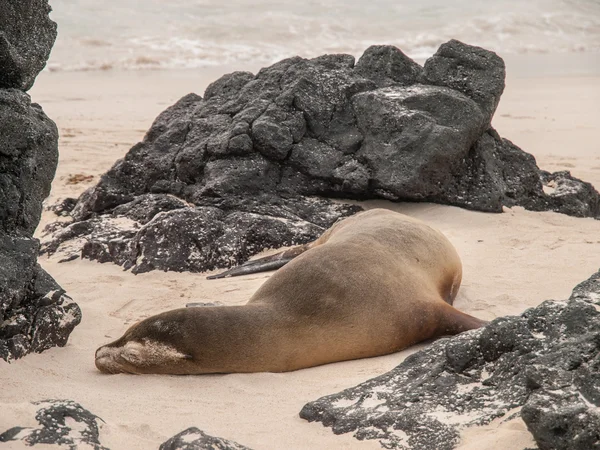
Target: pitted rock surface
383 127
195 439
26 38
28 160
159 231
63 423
35 313
543 365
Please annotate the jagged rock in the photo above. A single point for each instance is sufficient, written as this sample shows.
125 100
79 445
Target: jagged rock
195 439
477 73
563 411
54 428
383 128
159 231
28 159
35 313
387 65
26 37
546 361
415 138
568 195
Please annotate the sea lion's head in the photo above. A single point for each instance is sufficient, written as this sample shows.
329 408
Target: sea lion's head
144 348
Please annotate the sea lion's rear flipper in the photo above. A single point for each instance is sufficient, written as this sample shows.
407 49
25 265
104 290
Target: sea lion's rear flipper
452 321
265 264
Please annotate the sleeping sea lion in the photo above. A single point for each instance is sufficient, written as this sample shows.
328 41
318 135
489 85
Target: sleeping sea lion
372 284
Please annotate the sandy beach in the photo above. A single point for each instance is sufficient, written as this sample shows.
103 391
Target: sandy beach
512 261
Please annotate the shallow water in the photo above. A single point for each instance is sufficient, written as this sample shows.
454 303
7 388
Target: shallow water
199 33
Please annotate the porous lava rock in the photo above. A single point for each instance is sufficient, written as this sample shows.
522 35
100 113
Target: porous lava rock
383 127
35 313
81 430
160 231
543 365
28 159
195 439
27 35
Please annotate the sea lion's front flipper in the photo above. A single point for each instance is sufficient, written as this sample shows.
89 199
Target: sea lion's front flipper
272 262
452 321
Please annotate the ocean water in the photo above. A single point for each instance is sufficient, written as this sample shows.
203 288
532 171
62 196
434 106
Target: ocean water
176 34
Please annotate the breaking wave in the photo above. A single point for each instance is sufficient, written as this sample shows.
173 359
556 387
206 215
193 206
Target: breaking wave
180 34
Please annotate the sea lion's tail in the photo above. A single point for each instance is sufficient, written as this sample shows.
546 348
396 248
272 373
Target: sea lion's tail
272 262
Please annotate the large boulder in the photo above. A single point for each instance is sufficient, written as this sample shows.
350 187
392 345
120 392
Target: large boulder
546 361
28 159
35 313
26 38
477 73
384 127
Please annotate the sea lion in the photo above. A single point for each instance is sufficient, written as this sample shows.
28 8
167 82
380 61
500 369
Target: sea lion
372 284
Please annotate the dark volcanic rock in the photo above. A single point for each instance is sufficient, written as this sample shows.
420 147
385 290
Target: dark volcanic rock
26 37
474 71
158 231
563 411
195 439
546 361
387 65
383 128
28 159
415 138
35 312
55 430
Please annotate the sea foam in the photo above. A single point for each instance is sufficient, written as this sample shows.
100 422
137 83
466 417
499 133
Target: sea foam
193 34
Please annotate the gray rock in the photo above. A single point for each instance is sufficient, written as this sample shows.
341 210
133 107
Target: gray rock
195 439
26 37
158 231
474 71
54 429
569 195
387 65
383 128
35 312
28 159
415 138
562 411
546 361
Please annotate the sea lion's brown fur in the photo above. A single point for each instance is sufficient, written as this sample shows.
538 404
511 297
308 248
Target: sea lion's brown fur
372 284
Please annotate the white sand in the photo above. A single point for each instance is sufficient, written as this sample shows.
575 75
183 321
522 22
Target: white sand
512 261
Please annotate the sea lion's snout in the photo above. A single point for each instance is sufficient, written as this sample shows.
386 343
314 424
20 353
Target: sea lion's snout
132 356
105 360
